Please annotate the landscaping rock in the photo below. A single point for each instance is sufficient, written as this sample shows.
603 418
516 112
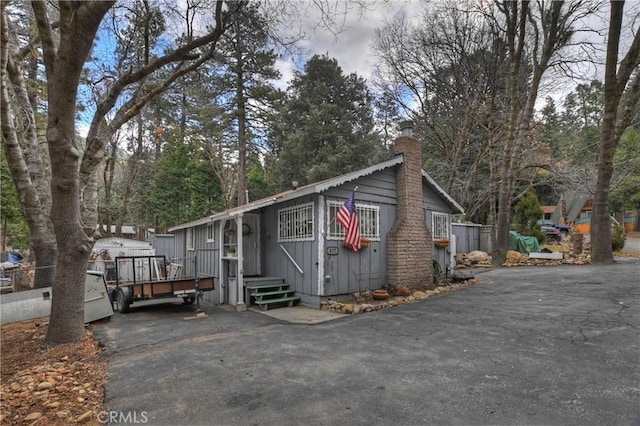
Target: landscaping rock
419 295
402 290
478 256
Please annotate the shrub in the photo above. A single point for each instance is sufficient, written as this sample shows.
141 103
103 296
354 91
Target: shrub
540 236
437 272
618 238
527 213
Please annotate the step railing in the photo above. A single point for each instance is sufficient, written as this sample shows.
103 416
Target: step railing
291 259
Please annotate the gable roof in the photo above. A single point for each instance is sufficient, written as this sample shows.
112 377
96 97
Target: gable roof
442 192
315 188
575 206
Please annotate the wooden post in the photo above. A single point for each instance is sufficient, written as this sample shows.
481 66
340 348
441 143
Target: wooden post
576 242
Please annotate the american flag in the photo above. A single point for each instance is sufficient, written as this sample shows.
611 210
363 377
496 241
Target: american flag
348 218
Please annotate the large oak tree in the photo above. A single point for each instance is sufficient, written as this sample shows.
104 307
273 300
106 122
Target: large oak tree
64 58
65 36
621 96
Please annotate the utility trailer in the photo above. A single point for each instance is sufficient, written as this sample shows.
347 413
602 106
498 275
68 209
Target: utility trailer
138 278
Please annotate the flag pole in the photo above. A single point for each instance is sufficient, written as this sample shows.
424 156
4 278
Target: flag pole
329 224
334 218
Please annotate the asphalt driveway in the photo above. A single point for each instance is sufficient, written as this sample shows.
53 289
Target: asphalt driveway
632 244
527 345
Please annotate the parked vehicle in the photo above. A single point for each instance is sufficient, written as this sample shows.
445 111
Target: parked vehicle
561 228
552 233
9 269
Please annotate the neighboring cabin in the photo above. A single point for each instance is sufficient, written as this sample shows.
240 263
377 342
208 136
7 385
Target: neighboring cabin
576 210
294 235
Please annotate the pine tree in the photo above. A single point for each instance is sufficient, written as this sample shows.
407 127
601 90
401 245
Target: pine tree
326 125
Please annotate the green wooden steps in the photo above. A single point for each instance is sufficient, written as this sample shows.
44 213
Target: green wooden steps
268 293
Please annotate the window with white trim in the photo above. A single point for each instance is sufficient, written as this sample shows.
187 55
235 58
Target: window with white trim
439 225
296 223
191 239
368 218
211 233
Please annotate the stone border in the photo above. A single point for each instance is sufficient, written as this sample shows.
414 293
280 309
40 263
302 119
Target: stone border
364 302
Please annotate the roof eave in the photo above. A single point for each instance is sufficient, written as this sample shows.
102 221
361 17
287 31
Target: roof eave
306 190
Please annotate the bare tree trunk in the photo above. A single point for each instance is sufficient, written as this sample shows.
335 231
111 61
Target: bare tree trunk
63 65
226 175
516 21
132 174
89 210
3 240
25 161
616 118
242 133
89 187
108 175
601 249
522 90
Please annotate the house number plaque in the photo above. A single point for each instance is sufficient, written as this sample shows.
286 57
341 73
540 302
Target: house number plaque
332 251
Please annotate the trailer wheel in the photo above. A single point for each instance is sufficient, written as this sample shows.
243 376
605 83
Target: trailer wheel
122 300
188 300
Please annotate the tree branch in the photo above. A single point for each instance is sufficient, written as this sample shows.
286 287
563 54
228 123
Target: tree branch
45 31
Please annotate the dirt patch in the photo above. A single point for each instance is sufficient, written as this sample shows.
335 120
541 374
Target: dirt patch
58 386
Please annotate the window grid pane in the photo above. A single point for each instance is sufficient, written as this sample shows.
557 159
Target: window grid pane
210 233
368 218
440 225
190 239
296 223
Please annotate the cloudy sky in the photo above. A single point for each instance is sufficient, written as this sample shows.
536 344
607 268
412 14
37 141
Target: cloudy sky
351 47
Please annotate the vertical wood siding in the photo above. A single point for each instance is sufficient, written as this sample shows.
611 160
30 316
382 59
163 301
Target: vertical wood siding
434 202
305 253
202 260
467 237
180 242
164 245
367 269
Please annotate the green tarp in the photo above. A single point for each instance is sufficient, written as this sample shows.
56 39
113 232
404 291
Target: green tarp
522 243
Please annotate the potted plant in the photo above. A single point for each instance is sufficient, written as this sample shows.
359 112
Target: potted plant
364 243
442 243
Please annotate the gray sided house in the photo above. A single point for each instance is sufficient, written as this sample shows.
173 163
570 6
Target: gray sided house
293 236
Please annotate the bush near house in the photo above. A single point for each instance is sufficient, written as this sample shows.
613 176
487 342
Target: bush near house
618 238
527 213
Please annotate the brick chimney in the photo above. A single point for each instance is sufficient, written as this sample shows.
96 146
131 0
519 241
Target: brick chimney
409 245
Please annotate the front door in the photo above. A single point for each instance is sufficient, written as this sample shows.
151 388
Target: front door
251 244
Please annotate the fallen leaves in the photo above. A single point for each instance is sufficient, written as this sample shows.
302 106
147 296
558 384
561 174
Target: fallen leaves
57 386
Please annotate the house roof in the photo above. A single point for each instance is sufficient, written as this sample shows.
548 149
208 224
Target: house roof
442 192
548 209
314 188
574 207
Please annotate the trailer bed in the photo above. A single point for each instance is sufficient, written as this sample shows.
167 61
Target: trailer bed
149 279
170 288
